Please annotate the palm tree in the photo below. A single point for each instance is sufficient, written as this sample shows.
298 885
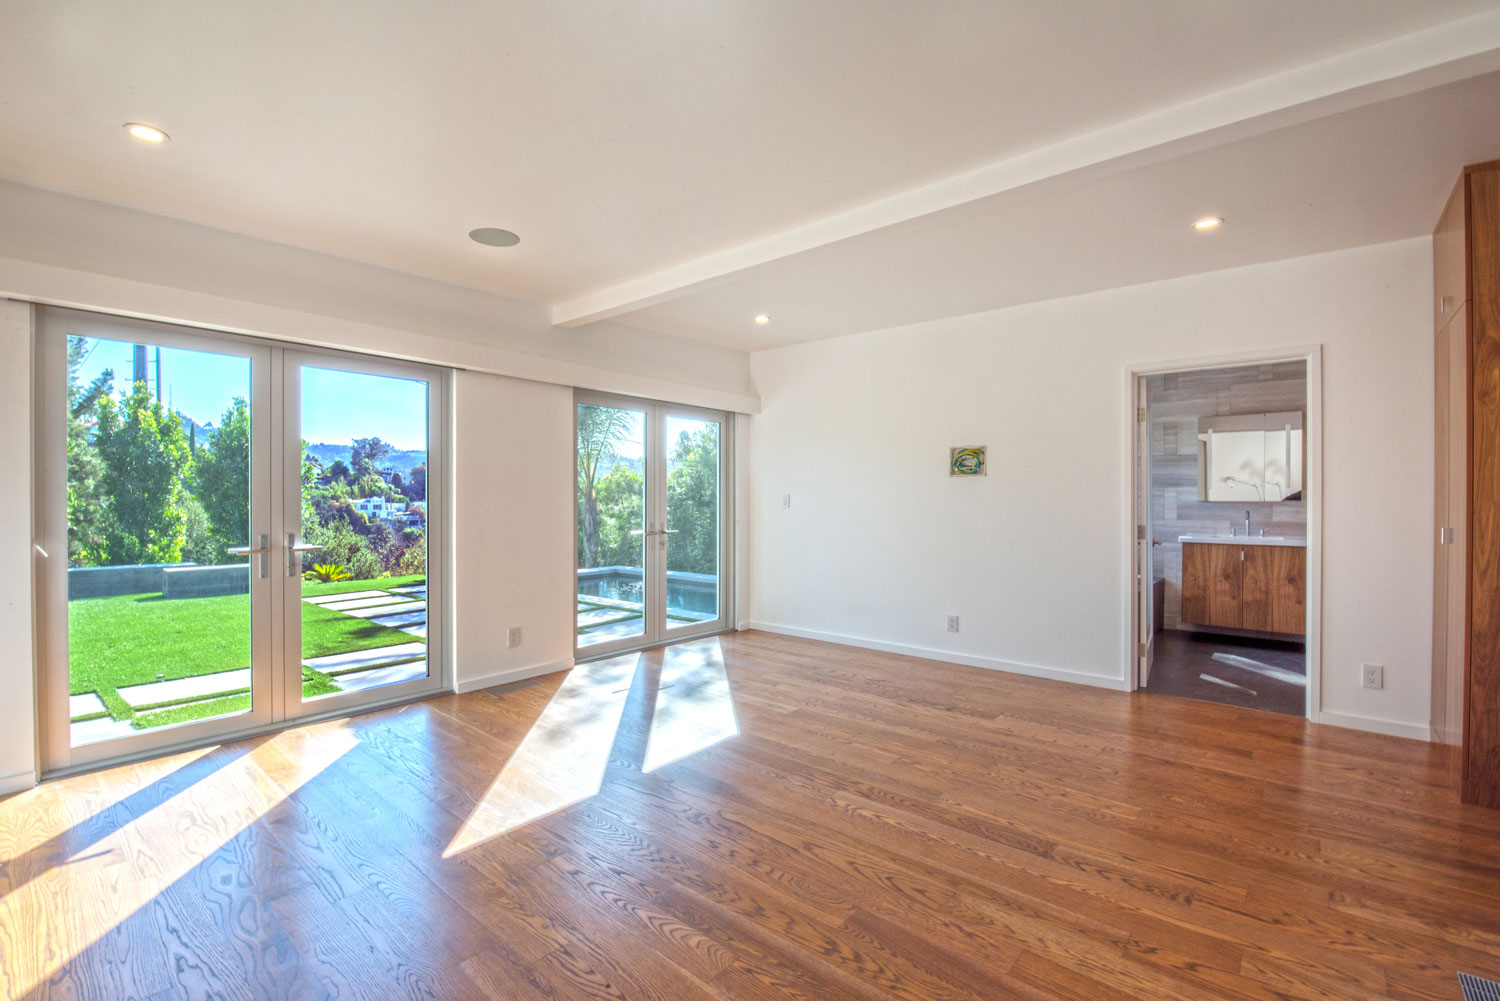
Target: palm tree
598 430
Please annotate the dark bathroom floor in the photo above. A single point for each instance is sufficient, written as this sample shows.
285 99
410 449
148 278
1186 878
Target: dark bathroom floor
1255 673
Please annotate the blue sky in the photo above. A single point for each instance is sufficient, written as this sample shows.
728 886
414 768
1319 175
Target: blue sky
337 407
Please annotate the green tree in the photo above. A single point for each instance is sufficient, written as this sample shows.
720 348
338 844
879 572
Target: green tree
199 545
222 478
414 557
86 498
342 546
338 470
145 458
620 513
367 455
599 429
416 484
693 500
371 485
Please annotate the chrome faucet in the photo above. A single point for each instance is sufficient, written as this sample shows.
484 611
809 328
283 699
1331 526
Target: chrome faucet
1247 524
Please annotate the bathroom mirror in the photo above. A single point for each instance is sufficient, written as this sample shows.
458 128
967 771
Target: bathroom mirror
1250 457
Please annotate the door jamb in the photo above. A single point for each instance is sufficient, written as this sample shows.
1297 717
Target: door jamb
1312 354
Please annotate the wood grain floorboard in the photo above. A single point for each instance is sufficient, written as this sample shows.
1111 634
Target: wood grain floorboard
841 825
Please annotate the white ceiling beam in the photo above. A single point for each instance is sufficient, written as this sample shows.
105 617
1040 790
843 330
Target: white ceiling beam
1410 63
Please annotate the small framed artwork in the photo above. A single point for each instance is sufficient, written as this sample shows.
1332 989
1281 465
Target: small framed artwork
966 461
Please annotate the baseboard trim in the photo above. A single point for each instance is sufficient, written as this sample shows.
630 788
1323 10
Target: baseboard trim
512 674
1389 727
946 656
17 782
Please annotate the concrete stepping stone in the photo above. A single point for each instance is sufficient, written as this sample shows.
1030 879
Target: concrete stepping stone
85 705
91 731
419 630
374 678
319 599
367 658
185 689
384 599
376 611
604 615
418 590
404 619
598 634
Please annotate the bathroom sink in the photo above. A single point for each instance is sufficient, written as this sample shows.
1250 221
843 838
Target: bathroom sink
1242 540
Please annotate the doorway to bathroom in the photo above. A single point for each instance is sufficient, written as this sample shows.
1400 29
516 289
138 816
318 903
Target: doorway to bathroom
1225 533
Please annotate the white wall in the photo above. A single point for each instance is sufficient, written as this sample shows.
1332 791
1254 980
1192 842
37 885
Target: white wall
879 543
513 528
17 717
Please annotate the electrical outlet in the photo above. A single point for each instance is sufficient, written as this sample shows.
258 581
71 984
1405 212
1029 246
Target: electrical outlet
1372 676
786 500
514 638
953 623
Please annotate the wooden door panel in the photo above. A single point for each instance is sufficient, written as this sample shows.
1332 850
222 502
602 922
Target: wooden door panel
1226 583
1481 779
1288 588
1256 610
1211 584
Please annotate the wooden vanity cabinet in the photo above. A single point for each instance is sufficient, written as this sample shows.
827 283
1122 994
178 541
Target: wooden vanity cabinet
1245 586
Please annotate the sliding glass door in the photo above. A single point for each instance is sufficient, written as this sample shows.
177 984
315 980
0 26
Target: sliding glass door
652 509
231 535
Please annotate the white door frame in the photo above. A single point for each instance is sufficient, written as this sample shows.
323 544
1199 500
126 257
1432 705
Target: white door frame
269 658
288 699
1312 489
1145 582
653 575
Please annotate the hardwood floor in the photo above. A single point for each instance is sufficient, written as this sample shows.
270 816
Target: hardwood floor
865 826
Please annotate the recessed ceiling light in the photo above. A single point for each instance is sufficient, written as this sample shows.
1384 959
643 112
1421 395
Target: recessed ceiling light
492 237
146 133
762 319
1207 223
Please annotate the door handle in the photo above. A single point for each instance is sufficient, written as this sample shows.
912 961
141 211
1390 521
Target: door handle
261 550
295 549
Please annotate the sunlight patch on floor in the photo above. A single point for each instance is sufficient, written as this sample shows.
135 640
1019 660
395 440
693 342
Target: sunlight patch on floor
694 705
79 899
561 760
1263 669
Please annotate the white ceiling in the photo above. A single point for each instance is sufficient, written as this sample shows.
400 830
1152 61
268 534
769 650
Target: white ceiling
837 163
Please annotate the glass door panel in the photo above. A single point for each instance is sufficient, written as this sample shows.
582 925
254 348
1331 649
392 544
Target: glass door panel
361 500
691 534
651 513
613 530
155 511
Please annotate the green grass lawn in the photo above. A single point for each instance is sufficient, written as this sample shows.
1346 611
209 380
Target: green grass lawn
132 639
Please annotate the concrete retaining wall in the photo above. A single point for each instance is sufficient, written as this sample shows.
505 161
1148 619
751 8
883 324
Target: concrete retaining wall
205 582
106 582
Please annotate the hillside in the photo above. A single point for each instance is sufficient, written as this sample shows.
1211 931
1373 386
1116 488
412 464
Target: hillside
402 462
